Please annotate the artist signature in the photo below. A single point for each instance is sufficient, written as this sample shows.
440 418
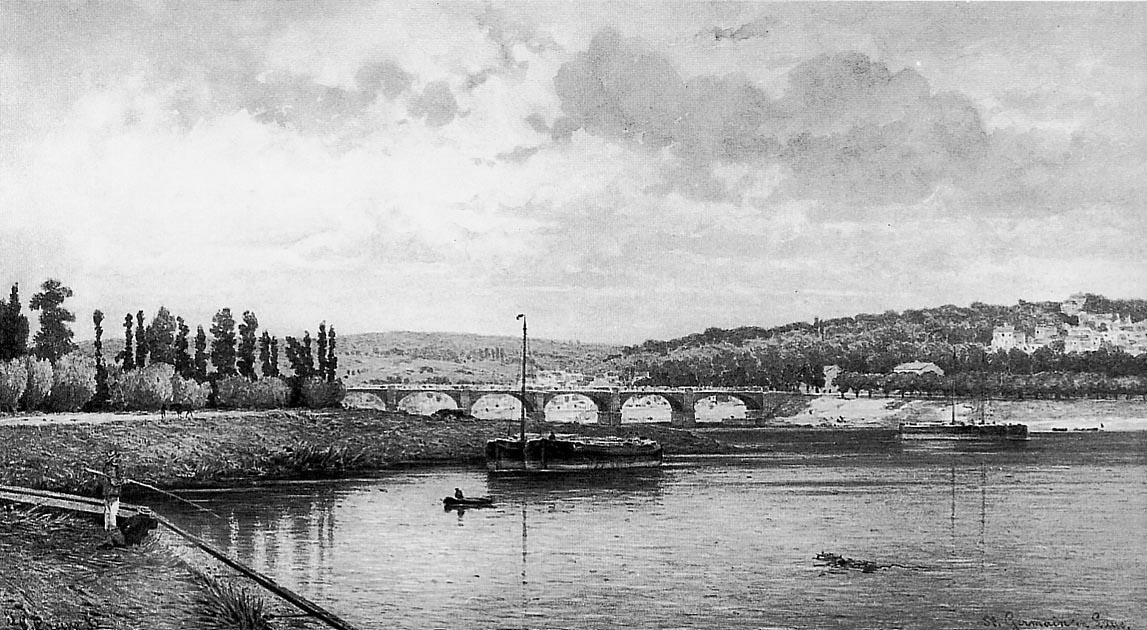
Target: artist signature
1016 622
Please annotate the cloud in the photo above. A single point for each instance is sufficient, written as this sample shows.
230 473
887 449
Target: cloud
848 127
436 103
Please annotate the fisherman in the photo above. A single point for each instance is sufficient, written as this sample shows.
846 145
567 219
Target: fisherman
111 484
458 494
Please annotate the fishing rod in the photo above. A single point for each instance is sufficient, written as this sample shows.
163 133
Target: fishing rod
160 490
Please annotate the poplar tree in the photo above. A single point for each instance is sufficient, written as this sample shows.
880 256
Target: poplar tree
161 337
274 356
322 348
247 343
54 339
141 349
183 363
223 343
200 354
332 359
100 398
128 354
13 327
265 354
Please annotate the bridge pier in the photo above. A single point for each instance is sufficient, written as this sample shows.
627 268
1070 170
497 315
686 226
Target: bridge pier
611 415
686 417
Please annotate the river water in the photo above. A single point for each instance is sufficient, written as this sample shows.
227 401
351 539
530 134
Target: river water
1053 530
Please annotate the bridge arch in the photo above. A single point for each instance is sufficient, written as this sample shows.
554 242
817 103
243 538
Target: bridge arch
646 408
497 406
363 400
427 402
572 407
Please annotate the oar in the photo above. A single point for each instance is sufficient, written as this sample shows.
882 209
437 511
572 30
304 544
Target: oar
160 490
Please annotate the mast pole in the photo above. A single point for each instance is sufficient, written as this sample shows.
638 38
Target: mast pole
522 316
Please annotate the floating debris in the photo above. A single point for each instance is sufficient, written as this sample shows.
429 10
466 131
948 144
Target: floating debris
836 561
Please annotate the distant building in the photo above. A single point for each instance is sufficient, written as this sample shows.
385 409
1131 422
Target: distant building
918 367
1073 305
1006 337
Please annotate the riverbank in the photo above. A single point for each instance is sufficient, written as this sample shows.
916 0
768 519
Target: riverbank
1039 415
229 448
58 575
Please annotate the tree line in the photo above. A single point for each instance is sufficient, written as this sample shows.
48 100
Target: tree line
161 364
788 357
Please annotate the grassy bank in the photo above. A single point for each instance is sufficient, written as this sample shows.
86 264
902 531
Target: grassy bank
57 575
226 448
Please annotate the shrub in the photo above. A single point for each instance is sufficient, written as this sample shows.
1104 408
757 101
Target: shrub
148 387
238 392
320 394
13 381
189 392
39 383
73 383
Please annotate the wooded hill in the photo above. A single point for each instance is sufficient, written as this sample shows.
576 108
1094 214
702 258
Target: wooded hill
952 337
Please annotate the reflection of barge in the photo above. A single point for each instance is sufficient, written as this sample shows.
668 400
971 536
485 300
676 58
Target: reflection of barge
938 431
567 452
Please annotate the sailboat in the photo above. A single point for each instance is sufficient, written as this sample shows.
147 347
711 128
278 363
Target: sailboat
566 452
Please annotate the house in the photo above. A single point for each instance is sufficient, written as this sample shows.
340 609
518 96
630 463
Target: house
918 367
1073 305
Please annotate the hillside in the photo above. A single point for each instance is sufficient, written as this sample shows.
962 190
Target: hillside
953 337
417 357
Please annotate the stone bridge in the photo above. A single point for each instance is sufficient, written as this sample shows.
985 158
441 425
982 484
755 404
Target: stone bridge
759 403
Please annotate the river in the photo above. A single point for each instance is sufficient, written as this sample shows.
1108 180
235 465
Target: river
1051 530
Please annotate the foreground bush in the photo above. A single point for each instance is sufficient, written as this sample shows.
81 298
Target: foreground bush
317 393
39 383
13 381
145 388
189 393
73 383
236 392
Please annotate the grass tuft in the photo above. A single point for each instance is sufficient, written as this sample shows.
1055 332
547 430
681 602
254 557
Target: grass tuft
233 608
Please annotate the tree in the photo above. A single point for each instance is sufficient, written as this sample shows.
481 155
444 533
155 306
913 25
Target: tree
183 363
299 356
265 354
13 327
54 339
223 343
141 346
200 361
332 359
247 343
100 398
274 356
322 348
161 336
128 354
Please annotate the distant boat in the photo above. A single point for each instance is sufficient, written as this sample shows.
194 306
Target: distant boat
940 431
567 452
570 453
982 430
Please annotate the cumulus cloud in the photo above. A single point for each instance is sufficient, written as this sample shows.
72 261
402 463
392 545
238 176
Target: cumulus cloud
848 127
436 104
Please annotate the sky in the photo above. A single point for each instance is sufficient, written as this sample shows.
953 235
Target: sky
617 171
